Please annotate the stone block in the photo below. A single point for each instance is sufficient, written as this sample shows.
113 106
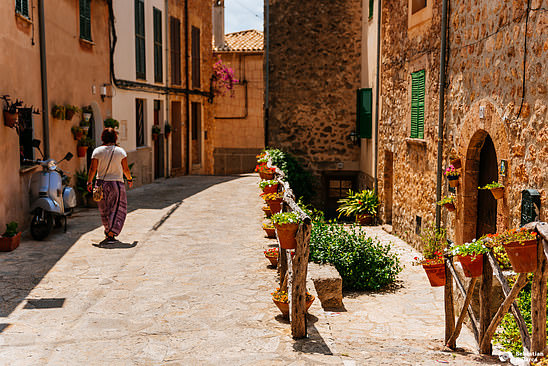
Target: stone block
328 284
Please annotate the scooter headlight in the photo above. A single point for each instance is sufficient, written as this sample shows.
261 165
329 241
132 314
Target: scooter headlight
51 165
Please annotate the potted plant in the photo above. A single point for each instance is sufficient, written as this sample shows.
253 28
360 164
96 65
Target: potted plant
267 211
272 255
10 111
156 130
470 256
362 204
274 201
269 186
77 132
521 247
86 113
70 111
432 260
83 144
452 175
286 224
58 111
269 230
496 188
456 162
81 187
448 202
11 238
84 125
265 172
111 123
281 300
167 130
262 158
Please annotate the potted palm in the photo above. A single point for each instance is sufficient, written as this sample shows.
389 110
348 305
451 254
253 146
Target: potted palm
269 186
363 205
470 256
10 111
286 224
432 260
11 238
496 188
448 202
452 175
521 248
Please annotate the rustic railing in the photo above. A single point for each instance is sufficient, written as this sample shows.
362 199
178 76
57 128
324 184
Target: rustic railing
293 269
534 344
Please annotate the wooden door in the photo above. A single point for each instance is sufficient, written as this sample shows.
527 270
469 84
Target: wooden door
196 133
158 144
487 204
176 152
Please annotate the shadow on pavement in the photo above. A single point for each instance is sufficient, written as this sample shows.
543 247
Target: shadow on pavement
115 245
314 343
22 269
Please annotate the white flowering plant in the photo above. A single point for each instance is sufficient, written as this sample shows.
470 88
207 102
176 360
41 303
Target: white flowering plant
268 183
285 218
472 249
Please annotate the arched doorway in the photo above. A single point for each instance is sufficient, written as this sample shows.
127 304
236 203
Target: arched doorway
487 204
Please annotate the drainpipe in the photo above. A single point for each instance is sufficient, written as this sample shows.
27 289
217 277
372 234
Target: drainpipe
44 76
377 93
166 63
441 111
187 142
267 80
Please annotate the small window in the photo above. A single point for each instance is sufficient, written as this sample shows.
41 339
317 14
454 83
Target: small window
417 5
25 134
371 6
417 104
22 7
85 20
140 122
140 60
158 67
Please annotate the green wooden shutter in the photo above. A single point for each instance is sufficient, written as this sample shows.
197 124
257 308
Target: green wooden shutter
371 5
417 104
365 113
85 19
140 60
158 67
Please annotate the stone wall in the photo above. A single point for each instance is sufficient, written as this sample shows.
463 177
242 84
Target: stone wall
315 50
485 67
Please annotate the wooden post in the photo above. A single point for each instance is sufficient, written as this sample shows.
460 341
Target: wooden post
538 303
485 304
458 326
282 264
300 269
471 314
449 307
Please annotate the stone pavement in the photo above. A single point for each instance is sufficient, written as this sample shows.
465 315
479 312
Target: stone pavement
188 285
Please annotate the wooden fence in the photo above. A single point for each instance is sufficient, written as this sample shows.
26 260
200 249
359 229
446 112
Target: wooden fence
534 344
293 269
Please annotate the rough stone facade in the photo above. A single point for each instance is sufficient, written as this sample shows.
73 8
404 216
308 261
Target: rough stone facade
484 70
314 72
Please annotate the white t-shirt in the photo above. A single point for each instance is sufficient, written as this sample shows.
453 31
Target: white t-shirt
115 172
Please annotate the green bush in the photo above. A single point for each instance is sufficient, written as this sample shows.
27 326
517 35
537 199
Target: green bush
364 263
299 179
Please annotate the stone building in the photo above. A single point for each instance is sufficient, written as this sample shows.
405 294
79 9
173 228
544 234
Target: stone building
75 67
494 111
239 117
314 66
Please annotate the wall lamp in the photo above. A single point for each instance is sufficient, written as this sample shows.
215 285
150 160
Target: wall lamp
354 138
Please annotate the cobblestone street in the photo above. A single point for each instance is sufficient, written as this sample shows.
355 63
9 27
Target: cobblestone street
189 285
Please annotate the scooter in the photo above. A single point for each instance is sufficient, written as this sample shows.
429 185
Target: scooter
50 196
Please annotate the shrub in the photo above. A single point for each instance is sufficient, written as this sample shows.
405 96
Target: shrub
299 179
364 263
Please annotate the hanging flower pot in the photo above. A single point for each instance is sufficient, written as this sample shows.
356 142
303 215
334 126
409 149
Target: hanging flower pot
448 202
457 163
270 231
365 219
58 111
267 211
453 181
81 151
10 119
271 189
435 273
69 113
272 256
450 206
282 302
286 224
266 175
497 192
522 255
472 266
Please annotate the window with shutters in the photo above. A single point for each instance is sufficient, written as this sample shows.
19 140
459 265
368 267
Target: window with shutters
365 113
85 20
140 122
158 67
417 104
22 7
196 57
371 5
140 59
175 37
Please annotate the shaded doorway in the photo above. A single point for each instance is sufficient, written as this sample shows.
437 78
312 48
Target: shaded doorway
388 185
196 110
176 158
336 186
159 143
487 204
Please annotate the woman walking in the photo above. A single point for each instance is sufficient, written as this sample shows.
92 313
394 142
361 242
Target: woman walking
109 163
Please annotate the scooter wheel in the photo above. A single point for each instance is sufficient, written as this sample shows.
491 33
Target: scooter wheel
41 225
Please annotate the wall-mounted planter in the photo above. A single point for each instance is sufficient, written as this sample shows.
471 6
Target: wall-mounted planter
471 266
435 273
81 151
449 206
58 112
498 192
86 116
457 163
453 181
10 119
522 255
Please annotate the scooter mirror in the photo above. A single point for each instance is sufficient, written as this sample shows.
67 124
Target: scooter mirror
68 156
36 143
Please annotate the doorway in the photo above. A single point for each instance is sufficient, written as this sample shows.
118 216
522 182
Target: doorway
388 185
176 152
159 143
337 185
487 204
196 134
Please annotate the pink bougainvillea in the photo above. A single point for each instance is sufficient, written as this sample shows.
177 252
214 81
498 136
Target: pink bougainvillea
223 79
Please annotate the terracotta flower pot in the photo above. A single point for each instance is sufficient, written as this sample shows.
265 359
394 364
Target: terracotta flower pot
10 119
472 268
456 163
155 136
273 260
284 306
10 243
435 273
449 206
498 192
69 113
78 135
286 235
266 176
267 211
81 151
270 189
453 181
275 205
523 256
365 219
270 232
